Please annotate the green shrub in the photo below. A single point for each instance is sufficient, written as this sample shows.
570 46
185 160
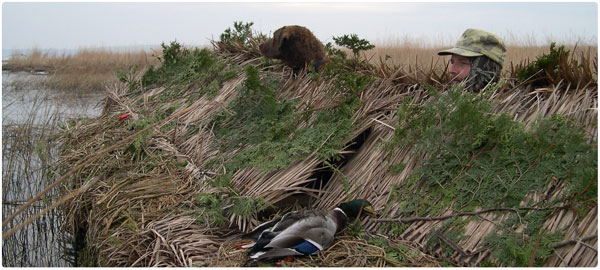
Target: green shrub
265 128
491 157
240 34
533 246
354 43
240 39
545 69
210 209
480 159
184 68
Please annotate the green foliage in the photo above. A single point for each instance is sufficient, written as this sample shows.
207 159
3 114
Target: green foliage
512 249
394 252
260 130
183 69
488 160
347 83
214 208
476 158
241 34
259 120
338 57
140 141
330 50
248 207
452 229
395 228
241 39
400 253
355 229
397 168
264 128
138 144
354 43
211 209
171 53
545 68
127 75
223 183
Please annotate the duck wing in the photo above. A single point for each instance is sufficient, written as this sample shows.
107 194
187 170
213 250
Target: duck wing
271 230
255 234
310 232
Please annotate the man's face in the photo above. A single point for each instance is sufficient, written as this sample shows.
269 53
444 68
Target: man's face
460 67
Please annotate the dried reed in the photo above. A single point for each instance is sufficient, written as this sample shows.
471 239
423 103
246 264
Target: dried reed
88 70
29 156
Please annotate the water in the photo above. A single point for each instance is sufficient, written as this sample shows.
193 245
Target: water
21 96
29 116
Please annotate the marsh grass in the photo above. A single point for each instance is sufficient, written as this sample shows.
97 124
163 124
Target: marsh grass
30 120
29 154
416 55
88 70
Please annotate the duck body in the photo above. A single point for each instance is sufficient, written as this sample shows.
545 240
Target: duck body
304 232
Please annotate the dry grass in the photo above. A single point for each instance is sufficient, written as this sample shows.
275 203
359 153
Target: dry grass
88 70
411 55
29 154
91 69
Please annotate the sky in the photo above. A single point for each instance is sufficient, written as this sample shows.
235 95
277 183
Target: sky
73 25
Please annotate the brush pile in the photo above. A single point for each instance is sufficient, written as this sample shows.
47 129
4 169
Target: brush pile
189 155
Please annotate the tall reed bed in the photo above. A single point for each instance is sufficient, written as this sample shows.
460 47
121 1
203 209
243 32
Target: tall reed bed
29 154
420 55
88 70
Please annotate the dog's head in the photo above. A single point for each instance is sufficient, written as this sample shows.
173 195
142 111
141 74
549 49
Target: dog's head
272 47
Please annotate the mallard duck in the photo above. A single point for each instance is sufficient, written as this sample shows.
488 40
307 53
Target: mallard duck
303 232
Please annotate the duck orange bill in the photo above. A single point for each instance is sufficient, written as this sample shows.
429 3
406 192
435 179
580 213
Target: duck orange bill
369 210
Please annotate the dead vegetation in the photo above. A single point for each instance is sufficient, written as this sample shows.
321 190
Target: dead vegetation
200 159
29 154
88 70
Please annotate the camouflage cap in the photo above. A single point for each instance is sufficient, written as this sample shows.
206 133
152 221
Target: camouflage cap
475 42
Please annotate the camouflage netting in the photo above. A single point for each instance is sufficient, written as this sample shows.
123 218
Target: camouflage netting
212 150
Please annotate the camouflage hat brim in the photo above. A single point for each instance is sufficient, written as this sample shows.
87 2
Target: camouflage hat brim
460 52
476 42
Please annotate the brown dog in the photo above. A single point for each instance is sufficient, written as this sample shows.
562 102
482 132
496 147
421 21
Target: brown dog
296 47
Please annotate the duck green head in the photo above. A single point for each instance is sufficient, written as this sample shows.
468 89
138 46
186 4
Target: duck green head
353 208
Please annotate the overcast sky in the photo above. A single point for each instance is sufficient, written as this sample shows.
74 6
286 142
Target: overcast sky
72 25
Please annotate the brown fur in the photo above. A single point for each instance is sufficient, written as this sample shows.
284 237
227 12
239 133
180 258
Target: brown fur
295 46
